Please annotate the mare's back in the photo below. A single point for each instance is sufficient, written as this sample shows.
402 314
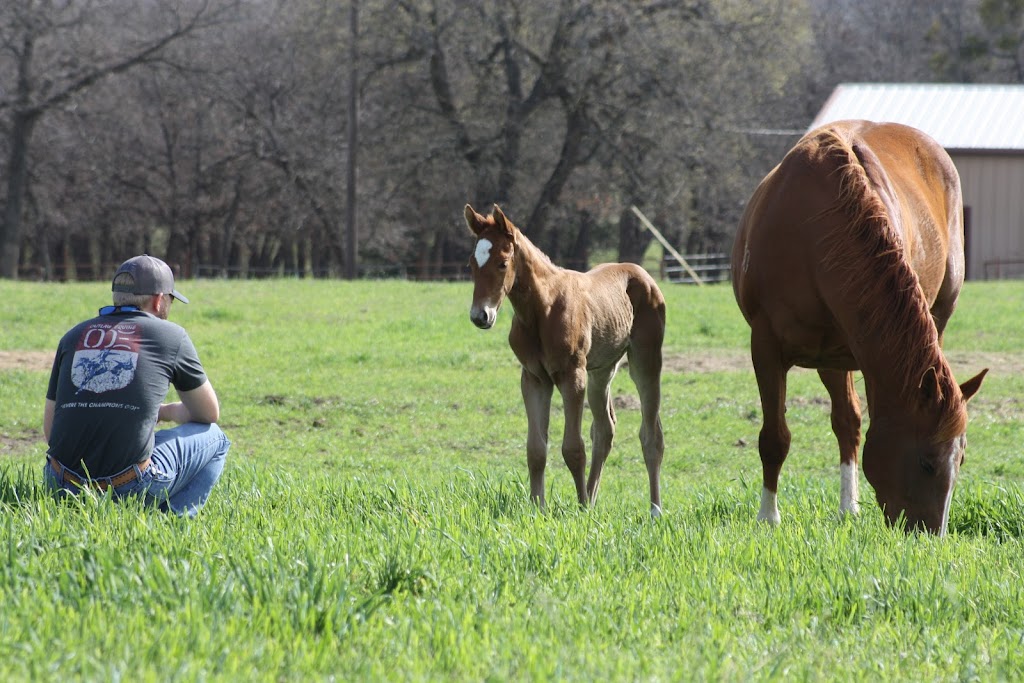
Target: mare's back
780 242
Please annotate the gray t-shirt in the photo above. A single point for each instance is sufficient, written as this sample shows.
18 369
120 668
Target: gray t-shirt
109 378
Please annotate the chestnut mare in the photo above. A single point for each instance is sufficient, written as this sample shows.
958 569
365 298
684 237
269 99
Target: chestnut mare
569 327
850 256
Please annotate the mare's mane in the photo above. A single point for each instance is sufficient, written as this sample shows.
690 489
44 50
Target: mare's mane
867 252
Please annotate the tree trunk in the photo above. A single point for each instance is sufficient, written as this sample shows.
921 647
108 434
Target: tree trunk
17 185
575 132
578 257
633 239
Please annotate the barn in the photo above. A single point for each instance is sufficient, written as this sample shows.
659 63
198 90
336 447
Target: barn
982 128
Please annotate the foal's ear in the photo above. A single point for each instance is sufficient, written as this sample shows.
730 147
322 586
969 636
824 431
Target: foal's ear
503 223
474 220
971 386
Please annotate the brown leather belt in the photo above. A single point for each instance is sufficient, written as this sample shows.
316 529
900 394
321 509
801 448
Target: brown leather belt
102 483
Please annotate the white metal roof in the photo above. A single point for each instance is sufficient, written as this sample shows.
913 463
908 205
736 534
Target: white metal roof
958 116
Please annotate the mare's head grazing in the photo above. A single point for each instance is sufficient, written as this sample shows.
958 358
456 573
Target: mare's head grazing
912 461
492 264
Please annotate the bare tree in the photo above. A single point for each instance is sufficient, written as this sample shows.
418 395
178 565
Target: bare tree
226 150
56 55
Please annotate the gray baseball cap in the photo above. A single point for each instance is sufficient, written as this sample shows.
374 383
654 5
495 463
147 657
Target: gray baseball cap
146 275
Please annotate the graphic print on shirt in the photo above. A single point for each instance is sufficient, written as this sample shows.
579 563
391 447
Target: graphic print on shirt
105 357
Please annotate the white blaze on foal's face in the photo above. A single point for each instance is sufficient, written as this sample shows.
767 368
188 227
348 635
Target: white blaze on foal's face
487 292
483 252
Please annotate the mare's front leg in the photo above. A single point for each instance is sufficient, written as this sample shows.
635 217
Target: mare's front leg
537 399
846 420
773 442
572 385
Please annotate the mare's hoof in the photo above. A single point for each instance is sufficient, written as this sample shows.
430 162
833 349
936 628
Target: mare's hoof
770 520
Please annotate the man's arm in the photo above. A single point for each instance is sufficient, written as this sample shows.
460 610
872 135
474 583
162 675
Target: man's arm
198 405
48 411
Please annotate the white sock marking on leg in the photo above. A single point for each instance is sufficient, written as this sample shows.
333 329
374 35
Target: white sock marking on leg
769 508
849 502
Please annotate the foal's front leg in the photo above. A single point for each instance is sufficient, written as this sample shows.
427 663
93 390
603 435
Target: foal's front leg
573 386
537 398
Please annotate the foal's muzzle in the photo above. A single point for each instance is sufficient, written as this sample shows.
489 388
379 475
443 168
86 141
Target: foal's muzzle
483 317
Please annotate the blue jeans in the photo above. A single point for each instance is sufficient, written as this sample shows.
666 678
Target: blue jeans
187 462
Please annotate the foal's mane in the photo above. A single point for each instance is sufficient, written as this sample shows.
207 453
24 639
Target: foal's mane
867 252
535 253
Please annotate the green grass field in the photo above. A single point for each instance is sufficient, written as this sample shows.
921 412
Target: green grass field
373 521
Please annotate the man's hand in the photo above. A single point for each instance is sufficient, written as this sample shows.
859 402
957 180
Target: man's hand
173 412
198 405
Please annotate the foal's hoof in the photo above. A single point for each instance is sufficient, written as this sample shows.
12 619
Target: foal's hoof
655 511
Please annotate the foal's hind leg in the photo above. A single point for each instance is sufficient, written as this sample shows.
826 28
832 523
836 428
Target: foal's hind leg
846 426
602 430
773 442
537 398
645 369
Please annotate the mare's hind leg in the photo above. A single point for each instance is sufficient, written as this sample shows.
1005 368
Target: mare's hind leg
846 426
537 398
602 431
645 369
773 442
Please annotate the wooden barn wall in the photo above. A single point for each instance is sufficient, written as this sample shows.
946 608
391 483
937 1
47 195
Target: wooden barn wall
993 188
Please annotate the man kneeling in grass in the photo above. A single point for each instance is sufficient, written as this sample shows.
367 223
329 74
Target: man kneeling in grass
105 397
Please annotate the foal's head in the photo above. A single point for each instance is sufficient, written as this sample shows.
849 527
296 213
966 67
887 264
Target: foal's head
491 264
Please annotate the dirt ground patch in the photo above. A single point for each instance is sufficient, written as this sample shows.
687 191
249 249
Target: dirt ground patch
707 361
26 360
963 362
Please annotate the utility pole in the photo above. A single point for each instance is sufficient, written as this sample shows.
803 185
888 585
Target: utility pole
351 264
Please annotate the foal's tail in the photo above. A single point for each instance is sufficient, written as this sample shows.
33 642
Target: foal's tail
648 302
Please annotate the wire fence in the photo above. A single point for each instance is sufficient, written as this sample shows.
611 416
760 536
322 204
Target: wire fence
708 267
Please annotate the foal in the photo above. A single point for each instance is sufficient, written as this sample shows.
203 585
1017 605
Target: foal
568 328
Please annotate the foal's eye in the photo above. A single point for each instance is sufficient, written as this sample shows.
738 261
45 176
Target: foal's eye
928 466
504 265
